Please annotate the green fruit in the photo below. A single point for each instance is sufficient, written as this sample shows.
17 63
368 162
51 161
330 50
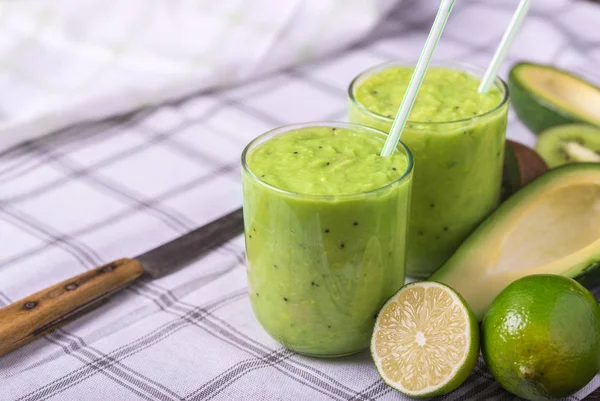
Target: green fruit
544 96
425 341
549 226
541 337
573 143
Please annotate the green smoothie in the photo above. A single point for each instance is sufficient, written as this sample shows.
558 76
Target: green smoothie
325 227
457 138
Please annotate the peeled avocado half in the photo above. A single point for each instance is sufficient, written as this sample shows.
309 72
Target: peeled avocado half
544 96
551 226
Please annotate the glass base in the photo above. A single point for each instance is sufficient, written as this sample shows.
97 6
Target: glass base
322 356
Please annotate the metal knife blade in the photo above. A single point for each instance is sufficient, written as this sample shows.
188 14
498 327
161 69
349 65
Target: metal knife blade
173 255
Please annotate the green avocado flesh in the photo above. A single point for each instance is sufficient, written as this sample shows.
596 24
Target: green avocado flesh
544 96
548 227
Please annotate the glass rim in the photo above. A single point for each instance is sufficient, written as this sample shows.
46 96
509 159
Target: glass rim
326 124
498 82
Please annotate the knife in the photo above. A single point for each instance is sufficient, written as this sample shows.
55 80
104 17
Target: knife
30 318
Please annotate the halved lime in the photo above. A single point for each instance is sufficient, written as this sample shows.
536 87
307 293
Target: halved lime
426 340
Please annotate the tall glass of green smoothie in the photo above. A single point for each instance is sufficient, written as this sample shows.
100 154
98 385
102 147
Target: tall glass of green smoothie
457 137
325 221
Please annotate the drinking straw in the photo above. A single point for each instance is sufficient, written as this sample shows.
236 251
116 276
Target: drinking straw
417 78
509 35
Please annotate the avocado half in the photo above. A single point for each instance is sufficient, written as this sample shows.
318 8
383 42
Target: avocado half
551 226
544 96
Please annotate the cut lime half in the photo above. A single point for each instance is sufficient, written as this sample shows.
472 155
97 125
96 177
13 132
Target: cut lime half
426 340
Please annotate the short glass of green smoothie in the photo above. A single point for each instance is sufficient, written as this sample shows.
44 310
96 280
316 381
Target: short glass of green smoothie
325 222
457 138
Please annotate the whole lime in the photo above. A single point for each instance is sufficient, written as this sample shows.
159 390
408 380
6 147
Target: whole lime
541 337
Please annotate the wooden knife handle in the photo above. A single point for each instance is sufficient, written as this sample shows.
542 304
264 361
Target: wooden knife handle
23 321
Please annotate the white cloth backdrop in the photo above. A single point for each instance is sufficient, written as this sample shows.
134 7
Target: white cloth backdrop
63 61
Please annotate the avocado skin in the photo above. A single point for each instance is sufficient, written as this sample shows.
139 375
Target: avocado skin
589 276
533 110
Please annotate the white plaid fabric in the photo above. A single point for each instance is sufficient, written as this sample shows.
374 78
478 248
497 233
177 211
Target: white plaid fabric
92 193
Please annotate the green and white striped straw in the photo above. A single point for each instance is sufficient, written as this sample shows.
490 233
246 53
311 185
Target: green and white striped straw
509 35
417 78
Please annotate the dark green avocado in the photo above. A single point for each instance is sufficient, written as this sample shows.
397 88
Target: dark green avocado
544 96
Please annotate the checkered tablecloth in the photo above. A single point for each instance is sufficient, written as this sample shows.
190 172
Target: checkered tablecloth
95 192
